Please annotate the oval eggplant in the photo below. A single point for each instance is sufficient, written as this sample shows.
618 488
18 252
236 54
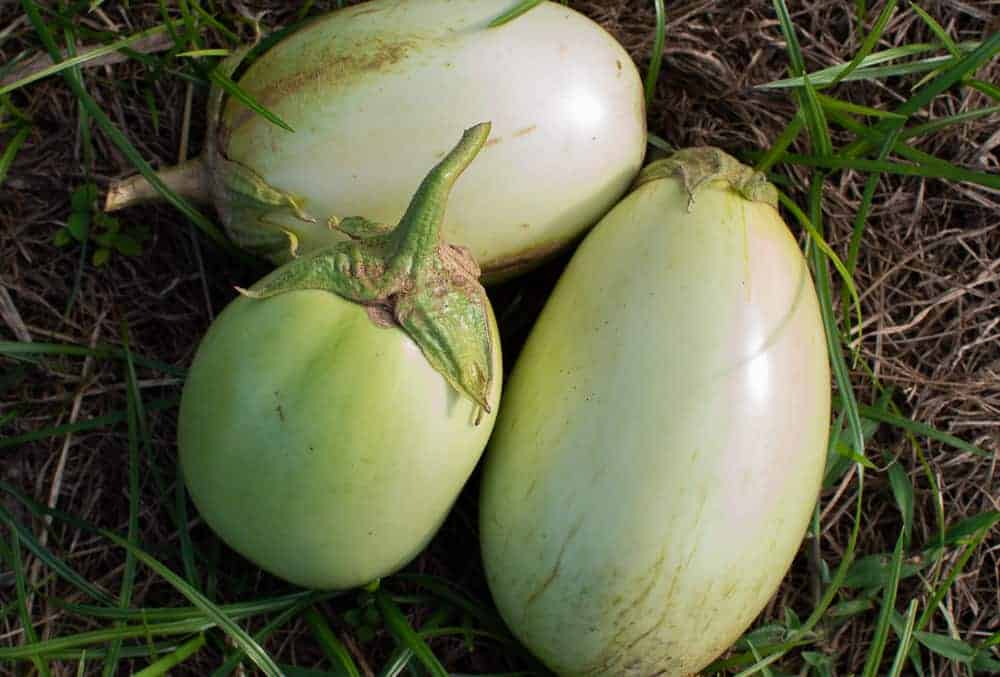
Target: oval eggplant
342 382
374 92
663 435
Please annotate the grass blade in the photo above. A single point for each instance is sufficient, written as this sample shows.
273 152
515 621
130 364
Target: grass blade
781 144
516 11
279 621
400 627
958 69
212 611
798 64
941 123
401 657
905 640
96 423
656 57
870 70
238 93
929 171
869 43
830 103
70 644
10 152
60 66
923 429
877 647
165 614
163 665
18 349
944 586
987 88
31 637
335 651
57 565
937 29
133 410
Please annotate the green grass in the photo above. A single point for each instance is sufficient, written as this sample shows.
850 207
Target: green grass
154 640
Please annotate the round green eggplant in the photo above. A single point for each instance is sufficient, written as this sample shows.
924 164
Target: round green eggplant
374 93
663 435
334 412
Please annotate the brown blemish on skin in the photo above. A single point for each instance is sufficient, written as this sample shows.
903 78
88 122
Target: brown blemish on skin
526 130
333 70
555 568
507 267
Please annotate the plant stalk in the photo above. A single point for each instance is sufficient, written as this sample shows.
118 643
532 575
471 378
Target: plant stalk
188 179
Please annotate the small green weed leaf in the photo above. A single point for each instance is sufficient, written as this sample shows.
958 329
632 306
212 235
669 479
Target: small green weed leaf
78 225
792 620
949 647
875 571
83 198
765 635
101 256
107 222
851 608
821 664
984 663
353 617
902 491
960 531
62 237
128 245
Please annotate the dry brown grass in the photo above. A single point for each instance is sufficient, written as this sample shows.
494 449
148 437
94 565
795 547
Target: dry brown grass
929 275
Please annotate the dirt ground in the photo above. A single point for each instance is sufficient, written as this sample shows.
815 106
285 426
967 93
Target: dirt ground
928 274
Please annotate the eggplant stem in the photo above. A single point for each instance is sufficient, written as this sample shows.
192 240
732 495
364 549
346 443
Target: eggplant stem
188 179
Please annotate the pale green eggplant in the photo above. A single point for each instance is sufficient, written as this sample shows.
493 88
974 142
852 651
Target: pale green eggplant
374 93
662 437
334 412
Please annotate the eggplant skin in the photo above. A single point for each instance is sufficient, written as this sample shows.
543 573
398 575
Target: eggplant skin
323 447
377 92
662 438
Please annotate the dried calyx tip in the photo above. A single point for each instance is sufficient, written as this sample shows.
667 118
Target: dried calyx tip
700 166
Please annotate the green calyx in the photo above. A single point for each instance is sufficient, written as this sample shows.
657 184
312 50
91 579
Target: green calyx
408 276
251 210
702 166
